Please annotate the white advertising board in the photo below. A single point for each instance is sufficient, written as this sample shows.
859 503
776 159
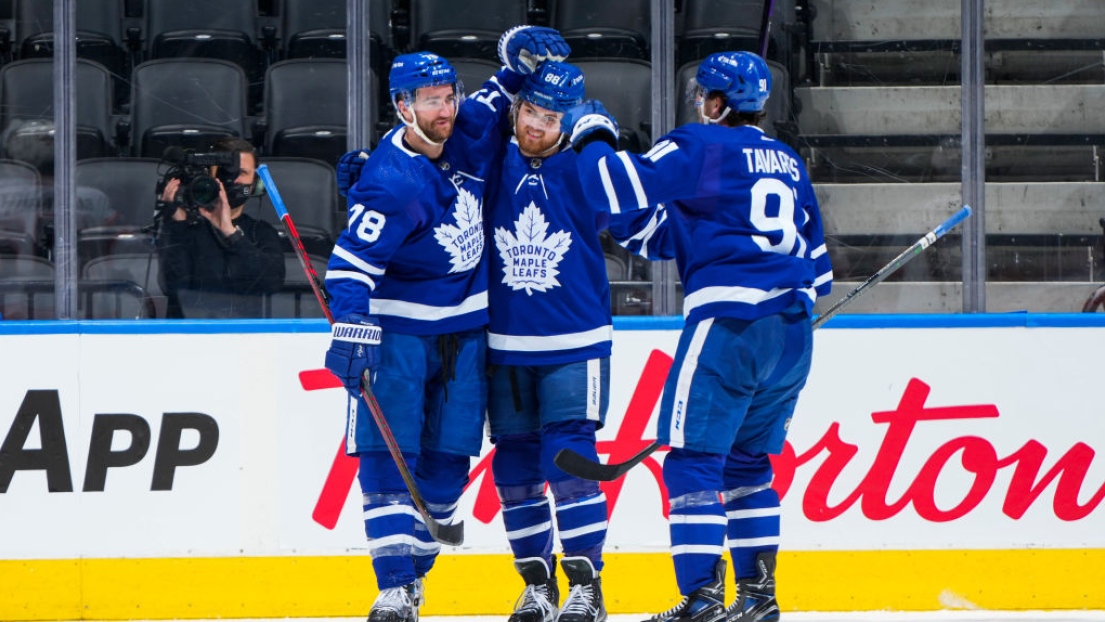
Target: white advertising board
163 445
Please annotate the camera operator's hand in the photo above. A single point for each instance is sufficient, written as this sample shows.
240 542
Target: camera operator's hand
219 214
168 195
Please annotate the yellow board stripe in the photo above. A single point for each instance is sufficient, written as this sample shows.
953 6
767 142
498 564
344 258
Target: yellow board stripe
261 587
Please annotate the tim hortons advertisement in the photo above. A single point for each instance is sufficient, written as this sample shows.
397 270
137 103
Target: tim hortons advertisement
165 445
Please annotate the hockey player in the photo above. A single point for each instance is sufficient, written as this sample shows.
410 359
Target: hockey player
745 229
408 284
549 348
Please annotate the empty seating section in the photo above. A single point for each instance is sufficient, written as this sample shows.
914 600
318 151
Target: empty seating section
879 122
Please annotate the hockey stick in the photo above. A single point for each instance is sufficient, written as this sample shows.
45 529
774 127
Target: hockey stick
765 27
578 465
899 261
452 534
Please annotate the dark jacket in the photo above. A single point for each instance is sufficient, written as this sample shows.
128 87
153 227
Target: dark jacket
206 274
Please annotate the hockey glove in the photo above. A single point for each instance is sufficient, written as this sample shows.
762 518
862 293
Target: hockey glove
588 122
523 48
349 169
354 348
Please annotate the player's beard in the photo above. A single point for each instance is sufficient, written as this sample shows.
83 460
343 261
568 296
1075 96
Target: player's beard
438 129
536 146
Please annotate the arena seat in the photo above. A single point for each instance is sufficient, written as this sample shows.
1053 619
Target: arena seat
310 127
603 29
463 28
186 102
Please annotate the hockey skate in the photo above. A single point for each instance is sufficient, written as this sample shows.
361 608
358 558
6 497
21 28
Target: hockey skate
397 604
706 604
538 602
756 597
584 602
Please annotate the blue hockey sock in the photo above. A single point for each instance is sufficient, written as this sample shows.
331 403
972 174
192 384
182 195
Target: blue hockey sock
581 510
696 518
526 513
752 509
389 519
441 478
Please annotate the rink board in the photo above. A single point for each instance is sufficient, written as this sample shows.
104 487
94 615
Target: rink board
168 470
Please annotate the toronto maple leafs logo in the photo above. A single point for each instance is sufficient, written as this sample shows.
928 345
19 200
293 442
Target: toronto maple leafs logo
531 257
464 241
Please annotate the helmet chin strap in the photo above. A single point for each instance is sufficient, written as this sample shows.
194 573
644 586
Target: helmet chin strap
413 124
707 120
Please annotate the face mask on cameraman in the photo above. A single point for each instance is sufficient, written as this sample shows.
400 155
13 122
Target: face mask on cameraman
236 194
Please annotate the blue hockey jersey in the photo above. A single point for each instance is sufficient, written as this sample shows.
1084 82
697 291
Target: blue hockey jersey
548 289
739 216
412 252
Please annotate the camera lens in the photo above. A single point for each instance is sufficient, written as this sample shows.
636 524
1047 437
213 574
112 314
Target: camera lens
204 191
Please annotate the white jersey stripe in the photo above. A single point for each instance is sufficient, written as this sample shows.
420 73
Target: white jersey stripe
526 532
753 513
402 540
390 510
730 293
536 343
357 262
700 549
599 498
750 542
696 519
427 313
646 233
683 384
634 179
334 275
608 186
567 534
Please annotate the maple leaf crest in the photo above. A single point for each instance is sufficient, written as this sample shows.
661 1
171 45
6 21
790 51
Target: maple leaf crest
531 255
463 241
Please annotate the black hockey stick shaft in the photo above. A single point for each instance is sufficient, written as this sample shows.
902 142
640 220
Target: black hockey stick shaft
765 27
453 533
574 463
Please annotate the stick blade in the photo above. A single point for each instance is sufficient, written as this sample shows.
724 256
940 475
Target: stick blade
452 534
575 464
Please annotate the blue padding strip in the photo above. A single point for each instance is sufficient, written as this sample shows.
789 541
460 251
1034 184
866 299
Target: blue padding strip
637 323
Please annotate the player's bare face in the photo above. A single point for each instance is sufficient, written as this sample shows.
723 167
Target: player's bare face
537 129
436 110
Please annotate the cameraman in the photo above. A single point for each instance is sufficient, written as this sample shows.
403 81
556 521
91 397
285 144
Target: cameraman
215 260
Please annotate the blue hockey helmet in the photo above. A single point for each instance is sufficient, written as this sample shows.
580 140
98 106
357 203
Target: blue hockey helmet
555 86
410 72
743 77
